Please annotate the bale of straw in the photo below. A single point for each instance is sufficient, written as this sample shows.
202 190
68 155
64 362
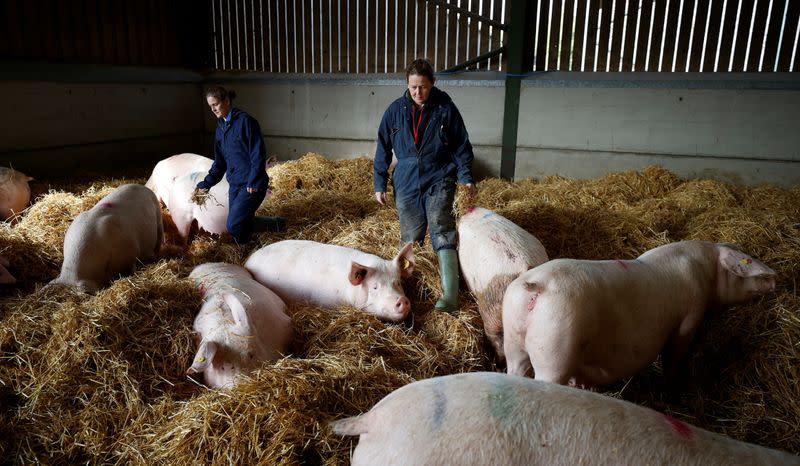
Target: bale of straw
101 378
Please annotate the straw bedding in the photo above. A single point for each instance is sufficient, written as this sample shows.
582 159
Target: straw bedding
101 379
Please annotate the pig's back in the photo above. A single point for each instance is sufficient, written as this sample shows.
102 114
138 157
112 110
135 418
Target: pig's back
307 271
491 245
221 277
166 171
492 418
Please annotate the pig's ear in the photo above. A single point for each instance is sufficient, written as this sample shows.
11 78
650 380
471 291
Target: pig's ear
239 314
358 273
405 260
739 263
203 357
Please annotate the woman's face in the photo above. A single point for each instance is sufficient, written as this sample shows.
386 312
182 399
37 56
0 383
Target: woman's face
219 108
420 88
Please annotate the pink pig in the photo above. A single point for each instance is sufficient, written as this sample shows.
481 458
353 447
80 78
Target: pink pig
5 276
493 251
241 324
485 418
212 216
328 275
109 239
15 193
166 171
596 322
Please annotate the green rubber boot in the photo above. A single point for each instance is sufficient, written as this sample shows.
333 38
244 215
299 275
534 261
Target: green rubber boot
448 272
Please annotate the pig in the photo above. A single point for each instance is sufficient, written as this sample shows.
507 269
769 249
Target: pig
592 323
241 324
485 418
5 276
328 275
15 193
166 171
109 239
211 216
493 251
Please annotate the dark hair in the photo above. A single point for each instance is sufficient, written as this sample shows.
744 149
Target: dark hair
220 93
421 67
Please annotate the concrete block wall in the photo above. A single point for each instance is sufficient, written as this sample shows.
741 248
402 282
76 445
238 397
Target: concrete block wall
733 127
61 120
739 128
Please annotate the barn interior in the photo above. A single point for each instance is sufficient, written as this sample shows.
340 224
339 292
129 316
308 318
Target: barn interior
602 149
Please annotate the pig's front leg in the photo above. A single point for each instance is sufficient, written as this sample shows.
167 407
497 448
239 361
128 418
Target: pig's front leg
678 344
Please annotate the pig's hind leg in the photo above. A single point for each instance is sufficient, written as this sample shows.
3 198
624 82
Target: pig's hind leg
555 358
517 360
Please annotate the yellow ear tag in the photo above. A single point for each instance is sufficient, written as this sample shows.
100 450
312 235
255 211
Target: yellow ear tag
406 263
201 359
745 261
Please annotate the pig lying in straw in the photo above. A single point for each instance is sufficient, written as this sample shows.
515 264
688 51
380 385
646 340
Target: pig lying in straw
166 171
241 324
491 418
15 193
328 275
493 251
596 322
110 238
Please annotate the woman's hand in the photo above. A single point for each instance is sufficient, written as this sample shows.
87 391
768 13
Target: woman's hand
251 190
472 190
380 197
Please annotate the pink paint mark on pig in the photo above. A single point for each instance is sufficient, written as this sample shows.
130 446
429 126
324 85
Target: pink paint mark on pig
622 264
470 209
107 205
202 289
532 301
684 430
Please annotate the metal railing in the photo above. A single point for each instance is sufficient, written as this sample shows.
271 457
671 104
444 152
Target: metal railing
382 36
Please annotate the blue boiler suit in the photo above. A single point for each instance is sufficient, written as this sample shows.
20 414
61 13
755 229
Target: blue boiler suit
239 153
427 170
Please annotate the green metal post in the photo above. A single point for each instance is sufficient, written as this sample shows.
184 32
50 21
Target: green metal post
519 60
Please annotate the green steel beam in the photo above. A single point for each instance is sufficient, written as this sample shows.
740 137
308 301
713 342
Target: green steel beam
476 60
519 58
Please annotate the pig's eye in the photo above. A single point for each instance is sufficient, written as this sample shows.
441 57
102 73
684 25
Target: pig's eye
375 286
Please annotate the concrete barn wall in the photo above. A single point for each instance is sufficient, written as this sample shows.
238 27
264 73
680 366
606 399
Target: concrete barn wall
59 121
735 127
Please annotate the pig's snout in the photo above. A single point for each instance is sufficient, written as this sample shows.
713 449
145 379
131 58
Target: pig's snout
768 285
402 307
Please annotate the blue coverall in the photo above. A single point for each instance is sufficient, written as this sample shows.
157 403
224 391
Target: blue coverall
240 154
424 179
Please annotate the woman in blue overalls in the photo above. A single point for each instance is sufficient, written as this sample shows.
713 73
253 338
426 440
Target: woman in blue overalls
425 131
240 155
